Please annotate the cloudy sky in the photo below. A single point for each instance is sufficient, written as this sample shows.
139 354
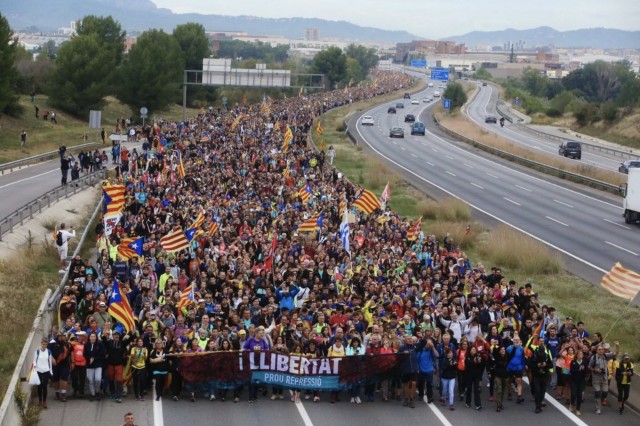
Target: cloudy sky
433 18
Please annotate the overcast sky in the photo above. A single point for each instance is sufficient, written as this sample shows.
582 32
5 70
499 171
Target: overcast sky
433 18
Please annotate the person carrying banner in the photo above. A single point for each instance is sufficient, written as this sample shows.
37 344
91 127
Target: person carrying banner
410 368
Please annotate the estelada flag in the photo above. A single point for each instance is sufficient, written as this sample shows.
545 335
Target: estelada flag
622 282
113 199
367 202
120 309
175 241
414 231
305 193
130 247
213 228
314 223
319 129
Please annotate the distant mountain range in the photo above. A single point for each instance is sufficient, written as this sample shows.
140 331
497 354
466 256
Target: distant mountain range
48 15
600 38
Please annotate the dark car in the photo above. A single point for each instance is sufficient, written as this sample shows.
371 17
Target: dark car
407 95
484 84
391 110
399 105
396 132
571 149
491 119
409 118
624 167
417 128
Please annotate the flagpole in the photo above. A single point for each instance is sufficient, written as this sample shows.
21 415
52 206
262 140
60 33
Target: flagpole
618 319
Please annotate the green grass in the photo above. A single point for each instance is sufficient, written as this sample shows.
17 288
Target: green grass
43 136
520 257
602 133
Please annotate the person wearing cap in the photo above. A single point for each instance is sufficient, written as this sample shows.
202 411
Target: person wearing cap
624 374
43 362
116 353
61 352
598 364
102 315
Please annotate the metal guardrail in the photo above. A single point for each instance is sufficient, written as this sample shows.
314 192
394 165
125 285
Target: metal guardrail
18 164
27 211
532 164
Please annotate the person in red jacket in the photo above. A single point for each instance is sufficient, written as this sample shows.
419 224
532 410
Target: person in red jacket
78 364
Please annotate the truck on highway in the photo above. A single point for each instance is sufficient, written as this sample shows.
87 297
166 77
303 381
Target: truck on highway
631 193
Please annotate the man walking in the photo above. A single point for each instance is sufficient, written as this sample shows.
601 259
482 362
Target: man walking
541 367
23 138
598 364
65 165
62 241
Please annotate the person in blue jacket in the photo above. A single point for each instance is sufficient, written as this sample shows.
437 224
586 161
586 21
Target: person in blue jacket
410 368
516 365
286 295
427 358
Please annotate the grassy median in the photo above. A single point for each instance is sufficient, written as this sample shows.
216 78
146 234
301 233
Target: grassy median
520 257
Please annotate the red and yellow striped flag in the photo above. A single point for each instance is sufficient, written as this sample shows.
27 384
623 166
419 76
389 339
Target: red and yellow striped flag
319 129
367 202
314 223
174 241
414 231
113 199
305 193
181 171
286 173
198 222
213 228
288 137
622 282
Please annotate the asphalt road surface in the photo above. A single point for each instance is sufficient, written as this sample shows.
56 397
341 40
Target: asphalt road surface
584 225
485 104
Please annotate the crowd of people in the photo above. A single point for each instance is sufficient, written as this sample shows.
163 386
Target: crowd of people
462 326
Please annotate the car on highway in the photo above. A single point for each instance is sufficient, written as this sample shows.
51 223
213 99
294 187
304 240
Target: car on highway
418 128
391 110
491 119
624 167
409 118
436 94
396 132
415 102
571 149
407 95
425 100
399 105
367 120
484 83
430 84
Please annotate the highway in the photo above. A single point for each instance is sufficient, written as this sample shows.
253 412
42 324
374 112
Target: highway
585 226
575 221
485 104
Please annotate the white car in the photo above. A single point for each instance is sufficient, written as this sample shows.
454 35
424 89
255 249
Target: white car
430 84
436 94
415 102
425 100
367 120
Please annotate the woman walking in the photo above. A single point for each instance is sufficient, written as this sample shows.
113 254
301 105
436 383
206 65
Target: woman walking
94 353
579 372
43 363
624 373
448 376
138 356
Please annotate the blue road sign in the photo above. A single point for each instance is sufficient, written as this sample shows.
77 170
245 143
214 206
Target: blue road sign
446 103
439 73
419 63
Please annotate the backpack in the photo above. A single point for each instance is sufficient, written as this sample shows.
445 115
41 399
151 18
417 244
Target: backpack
59 241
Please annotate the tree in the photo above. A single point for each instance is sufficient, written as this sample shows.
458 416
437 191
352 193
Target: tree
82 76
332 63
455 92
151 75
8 73
367 58
108 31
193 43
534 82
353 72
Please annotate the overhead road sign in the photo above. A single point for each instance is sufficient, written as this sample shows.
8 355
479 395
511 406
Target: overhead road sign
419 63
439 73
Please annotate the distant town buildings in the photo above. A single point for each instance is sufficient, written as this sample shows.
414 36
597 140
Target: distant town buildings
423 48
311 34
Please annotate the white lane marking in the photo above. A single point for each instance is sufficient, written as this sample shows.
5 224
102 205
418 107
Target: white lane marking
449 157
537 147
303 413
29 178
493 216
448 172
562 408
158 420
413 155
617 224
434 408
621 248
511 201
493 176
523 188
434 150
476 185
431 164
564 204
403 148
468 165
528 176
556 221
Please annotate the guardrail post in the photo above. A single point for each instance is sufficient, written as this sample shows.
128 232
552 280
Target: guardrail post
48 202
11 224
21 219
31 211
